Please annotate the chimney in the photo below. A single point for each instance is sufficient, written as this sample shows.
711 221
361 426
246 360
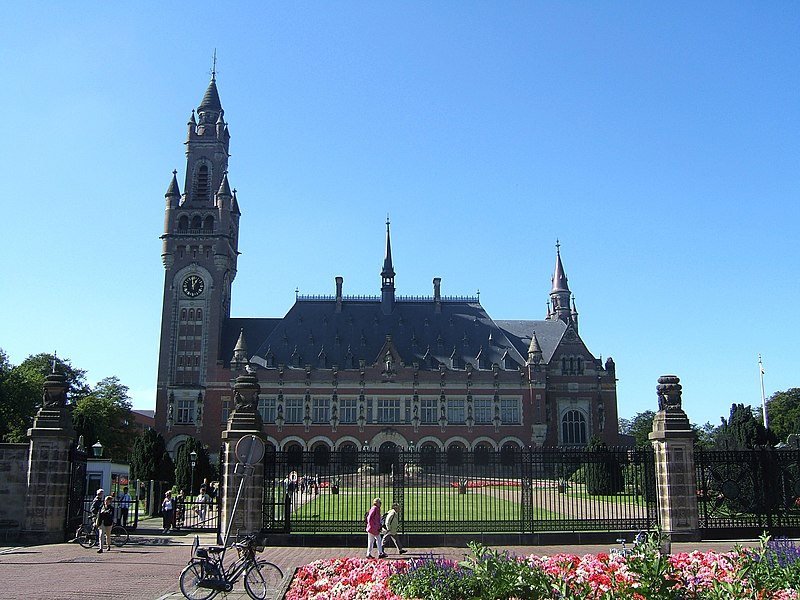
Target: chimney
339 282
437 294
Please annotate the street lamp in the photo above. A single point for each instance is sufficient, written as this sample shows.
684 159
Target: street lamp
193 458
97 449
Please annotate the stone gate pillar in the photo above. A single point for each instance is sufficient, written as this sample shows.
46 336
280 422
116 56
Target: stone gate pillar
48 486
673 441
244 421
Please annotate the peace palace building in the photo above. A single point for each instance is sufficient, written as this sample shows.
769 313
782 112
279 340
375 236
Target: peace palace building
347 372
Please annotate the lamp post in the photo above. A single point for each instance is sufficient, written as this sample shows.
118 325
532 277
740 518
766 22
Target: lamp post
193 458
97 449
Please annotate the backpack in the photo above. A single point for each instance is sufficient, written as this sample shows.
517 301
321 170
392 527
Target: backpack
383 520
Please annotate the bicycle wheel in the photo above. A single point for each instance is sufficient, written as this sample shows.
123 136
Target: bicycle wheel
262 580
119 535
191 576
86 536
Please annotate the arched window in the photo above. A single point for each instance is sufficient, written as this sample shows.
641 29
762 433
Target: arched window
482 454
196 223
191 314
199 314
183 223
573 427
183 314
208 224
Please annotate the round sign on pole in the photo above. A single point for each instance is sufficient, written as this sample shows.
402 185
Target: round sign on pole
249 450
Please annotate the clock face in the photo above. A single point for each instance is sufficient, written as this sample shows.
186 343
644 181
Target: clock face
193 285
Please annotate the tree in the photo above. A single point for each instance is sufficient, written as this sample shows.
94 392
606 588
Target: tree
783 409
639 426
21 390
183 466
742 431
705 435
104 415
146 453
604 473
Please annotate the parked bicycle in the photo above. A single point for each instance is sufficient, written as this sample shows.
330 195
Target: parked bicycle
207 574
626 551
86 534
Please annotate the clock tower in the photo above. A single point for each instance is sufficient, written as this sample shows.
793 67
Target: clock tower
199 252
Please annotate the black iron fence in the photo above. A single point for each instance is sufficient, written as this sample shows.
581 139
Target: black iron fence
530 491
758 489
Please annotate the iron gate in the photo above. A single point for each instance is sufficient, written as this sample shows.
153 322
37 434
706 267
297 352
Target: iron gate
530 491
749 489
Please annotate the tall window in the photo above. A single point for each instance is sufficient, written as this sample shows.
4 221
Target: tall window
573 428
185 411
388 411
482 410
428 410
267 409
202 184
293 412
320 410
226 409
509 411
347 410
455 411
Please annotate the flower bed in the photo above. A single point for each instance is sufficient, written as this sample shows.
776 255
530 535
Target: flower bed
771 572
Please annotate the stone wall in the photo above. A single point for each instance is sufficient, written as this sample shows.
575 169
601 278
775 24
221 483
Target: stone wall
13 489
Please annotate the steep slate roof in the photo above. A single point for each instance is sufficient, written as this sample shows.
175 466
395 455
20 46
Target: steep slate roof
548 333
313 333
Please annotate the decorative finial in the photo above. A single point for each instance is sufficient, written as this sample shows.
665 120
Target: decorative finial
214 66
479 295
55 355
175 172
296 292
558 246
387 220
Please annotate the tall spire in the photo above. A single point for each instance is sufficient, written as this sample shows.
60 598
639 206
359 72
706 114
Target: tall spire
559 276
387 276
560 294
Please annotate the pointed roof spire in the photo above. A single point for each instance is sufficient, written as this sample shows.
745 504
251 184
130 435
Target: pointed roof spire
534 346
224 186
210 104
240 360
559 276
388 269
173 190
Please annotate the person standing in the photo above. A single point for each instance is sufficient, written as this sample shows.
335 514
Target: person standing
180 507
124 502
97 504
374 529
105 519
203 501
391 523
167 511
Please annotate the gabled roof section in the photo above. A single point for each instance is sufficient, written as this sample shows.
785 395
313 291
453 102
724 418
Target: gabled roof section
548 333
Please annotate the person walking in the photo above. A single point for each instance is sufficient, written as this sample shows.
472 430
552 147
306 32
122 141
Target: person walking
374 529
168 511
390 527
124 502
105 520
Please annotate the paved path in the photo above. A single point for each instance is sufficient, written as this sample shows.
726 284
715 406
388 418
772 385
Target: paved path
148 567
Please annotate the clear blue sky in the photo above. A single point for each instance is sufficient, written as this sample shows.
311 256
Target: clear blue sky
658 141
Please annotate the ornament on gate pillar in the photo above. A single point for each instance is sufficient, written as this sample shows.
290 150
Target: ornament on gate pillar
669 393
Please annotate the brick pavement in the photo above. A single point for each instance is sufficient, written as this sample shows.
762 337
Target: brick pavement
148 567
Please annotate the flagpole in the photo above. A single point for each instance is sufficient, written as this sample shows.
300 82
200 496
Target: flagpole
763 399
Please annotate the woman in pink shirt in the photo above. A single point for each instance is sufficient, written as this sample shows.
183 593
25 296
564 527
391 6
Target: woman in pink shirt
374 529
